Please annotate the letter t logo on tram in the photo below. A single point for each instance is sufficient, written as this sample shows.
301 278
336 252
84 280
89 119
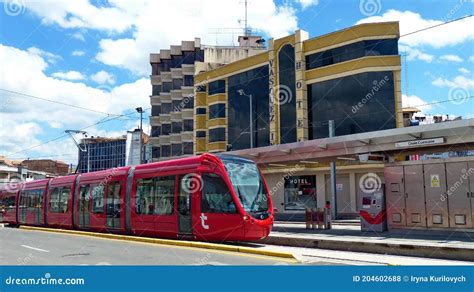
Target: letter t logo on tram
203 221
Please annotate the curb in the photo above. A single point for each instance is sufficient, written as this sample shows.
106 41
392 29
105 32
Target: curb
181 243
400 249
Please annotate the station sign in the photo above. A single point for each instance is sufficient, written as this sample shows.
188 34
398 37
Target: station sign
422 142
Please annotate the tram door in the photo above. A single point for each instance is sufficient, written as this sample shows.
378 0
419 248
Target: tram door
39 207
186 184
22 207
84 206
113 205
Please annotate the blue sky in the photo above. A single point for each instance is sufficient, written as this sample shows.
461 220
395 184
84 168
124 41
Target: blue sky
95 55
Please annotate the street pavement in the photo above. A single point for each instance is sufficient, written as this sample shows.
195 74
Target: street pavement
26 247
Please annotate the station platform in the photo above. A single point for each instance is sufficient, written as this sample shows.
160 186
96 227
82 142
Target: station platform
347 236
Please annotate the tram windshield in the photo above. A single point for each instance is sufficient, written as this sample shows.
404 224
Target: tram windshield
248 184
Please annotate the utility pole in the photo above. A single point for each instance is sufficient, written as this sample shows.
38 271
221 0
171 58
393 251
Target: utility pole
140 111
332 133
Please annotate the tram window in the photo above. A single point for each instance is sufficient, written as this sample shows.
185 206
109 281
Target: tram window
155 196
31 199
10 202
22 203
54 200
98 199
216 197
64 199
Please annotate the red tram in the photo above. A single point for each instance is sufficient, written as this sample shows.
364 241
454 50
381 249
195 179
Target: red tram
207 197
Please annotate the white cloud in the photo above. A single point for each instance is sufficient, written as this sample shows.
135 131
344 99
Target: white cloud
415 101
103 77
50 57
27 75
78 53
69 75
451 58
471 59
446 35
464 71
307 3
79 36
415 54
459 81
150 27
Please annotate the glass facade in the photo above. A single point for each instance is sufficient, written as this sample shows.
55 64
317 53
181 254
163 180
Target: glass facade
102 155
287 94
358 103
200 111
352 51
254 82
300 192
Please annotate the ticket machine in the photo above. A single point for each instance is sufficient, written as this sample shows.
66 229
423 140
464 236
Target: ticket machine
373 215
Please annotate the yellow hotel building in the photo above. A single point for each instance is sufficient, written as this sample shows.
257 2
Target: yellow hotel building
289 92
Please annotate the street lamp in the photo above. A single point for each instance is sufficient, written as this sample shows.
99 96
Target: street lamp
242 92
140 111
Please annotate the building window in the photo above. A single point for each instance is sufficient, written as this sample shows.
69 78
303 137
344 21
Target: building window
217 135
155 68
165 129
188 125
155 110
216 197
286 63
188 102
98 199
217 87
300 192
176 150
155 152
200 134
177 83
188 148
155 131
166 108
156 89
176 61
188 57
155 196
176 127
360 108
167 86
165 150
352 51
217 111
254 82
177 105
188 80
165 65
200 111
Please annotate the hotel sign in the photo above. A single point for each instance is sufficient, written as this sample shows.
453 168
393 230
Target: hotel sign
423 142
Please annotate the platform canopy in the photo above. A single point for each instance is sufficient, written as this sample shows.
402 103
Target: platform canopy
433 138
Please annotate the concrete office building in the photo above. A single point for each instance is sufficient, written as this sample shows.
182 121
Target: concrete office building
289 92
172 99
